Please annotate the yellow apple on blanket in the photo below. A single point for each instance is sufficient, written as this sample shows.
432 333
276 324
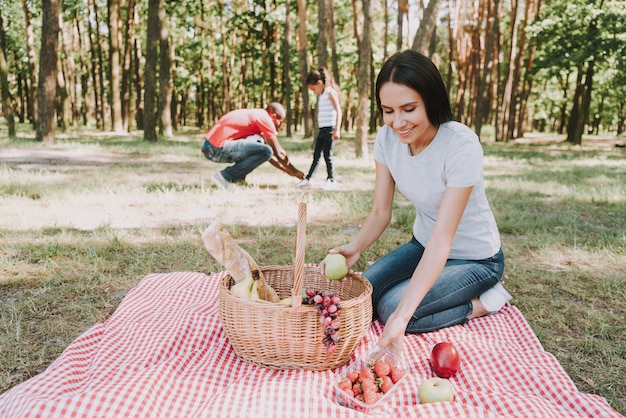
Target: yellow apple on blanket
335 266
435 389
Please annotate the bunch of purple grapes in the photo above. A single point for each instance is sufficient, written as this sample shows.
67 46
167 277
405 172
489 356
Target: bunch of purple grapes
329 310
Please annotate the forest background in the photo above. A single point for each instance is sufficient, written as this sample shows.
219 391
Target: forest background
119 78
511 66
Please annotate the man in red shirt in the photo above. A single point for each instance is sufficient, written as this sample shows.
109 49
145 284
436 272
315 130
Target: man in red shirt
240 137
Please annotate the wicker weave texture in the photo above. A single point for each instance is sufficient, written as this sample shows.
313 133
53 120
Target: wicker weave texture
291 337
284 337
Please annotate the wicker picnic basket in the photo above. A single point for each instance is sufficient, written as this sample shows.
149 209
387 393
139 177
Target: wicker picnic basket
290 337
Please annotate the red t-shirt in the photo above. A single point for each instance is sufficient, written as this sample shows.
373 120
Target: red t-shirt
239 124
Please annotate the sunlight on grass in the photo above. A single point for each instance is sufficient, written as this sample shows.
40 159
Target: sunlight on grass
83 220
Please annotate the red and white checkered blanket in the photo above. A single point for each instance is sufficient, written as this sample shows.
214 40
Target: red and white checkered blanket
163 353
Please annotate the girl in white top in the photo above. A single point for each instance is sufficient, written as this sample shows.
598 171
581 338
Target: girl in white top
449 272
329 123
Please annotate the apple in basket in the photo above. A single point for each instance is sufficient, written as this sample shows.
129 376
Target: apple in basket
445 359
336 267
435 389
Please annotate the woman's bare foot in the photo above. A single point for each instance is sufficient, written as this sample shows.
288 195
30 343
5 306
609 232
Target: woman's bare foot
492 300
478 309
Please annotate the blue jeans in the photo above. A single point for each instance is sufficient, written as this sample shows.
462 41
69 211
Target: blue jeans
323 144
447 303
247 154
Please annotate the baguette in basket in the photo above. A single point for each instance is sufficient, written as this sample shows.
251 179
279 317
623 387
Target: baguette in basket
241 266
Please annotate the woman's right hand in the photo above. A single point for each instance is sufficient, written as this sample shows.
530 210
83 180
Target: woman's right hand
348 251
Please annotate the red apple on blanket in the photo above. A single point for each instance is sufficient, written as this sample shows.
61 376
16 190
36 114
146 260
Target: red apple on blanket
435 389
445 359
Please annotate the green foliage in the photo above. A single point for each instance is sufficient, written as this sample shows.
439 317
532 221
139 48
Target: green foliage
569 34
230 54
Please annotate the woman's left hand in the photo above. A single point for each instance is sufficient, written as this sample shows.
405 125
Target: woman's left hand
392 339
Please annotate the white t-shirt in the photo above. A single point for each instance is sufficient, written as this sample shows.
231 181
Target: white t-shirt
326 112
454 158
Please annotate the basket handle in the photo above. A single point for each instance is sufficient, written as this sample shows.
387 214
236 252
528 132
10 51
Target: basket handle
298 257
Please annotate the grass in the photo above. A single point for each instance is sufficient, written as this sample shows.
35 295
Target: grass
83 220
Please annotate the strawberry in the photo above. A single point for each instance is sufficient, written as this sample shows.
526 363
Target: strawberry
382 368
353 376
368 384
370 397
345 384
385 384
367 373
356 388
396 374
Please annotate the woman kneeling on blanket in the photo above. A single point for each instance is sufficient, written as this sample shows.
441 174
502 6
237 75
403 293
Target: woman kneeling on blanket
450 271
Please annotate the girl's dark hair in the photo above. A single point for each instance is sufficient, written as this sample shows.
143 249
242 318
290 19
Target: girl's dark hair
323 74
417 72
315 76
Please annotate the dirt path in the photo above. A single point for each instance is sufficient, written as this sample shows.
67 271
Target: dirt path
88 188
61 159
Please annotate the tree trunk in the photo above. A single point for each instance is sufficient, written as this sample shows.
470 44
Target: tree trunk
22 93
286 72
462 51
507 108
32 84
84 71
8 105
580 109
175 112
95 68
100 66
304 70
483 97
322 44
115 76
150 88
427 27
73 66
364 83
46 89
582 98
127 42
355 24
565 98
333 41
403 10
272 55
165 78
137 59
385 30
224 35
517 66
64 99
532 9
206 32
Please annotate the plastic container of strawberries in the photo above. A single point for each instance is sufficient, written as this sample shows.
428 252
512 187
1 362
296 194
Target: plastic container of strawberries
348 400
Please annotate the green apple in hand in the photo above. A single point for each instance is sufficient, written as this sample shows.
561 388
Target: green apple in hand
435 389
335 266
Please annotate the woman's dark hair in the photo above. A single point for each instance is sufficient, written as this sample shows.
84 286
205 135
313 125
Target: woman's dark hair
418 72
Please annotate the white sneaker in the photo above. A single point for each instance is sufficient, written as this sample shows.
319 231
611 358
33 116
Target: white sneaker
303 183
495 298
221 182
330 185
